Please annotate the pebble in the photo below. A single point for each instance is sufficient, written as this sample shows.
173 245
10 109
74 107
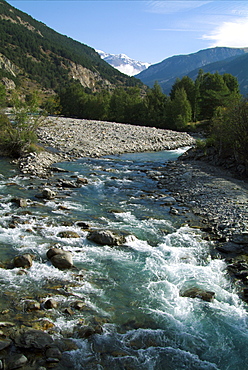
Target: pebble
212 193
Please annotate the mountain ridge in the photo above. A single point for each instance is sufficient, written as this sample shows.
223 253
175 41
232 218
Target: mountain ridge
166 72
50 59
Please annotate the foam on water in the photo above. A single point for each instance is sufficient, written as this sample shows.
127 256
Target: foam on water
133 291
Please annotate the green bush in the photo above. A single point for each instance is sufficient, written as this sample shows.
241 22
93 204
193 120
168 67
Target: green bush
18 129
230 131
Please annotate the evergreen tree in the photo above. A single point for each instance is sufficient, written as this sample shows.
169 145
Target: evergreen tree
181 111
117 105
155 102
213 93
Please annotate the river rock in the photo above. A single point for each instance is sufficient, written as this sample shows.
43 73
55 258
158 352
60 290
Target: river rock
50 303
82 181
32 338
20 202
106 237
68 184
168 201
16 361
24 261
48 194
79 305
83 225
230 247
62 261
195 292
87 331
239 270
68 234
241 238
32 305
60 258
53 353
4 343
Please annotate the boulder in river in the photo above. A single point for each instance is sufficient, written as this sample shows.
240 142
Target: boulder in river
60 258
20 202
50 303
107 237
48 194
24 261
195 292
68 234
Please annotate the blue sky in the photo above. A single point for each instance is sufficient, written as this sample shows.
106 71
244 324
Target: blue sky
148 31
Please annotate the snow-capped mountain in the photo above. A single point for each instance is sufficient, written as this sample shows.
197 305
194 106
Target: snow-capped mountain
123 63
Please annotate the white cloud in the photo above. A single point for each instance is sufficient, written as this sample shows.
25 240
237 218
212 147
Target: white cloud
231 34
173 6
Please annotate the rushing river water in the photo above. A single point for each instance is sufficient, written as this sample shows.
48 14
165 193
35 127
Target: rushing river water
131 291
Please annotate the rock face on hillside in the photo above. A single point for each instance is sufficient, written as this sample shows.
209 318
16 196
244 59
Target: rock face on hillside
8 66
86 77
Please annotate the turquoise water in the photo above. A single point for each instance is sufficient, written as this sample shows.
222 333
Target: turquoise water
131 291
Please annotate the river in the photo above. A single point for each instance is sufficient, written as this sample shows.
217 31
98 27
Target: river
131 292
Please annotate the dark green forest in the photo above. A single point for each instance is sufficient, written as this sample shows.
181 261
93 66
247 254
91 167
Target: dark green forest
189 101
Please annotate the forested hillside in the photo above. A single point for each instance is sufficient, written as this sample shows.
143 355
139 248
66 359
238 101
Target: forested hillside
220 59
31 50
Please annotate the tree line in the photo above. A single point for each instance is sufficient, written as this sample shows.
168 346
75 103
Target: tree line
188 101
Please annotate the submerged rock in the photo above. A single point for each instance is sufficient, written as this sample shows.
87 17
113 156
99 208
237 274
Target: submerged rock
195 292
68 234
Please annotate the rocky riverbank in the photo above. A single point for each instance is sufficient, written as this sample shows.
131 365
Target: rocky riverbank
66 139
219 203
215 201
218 199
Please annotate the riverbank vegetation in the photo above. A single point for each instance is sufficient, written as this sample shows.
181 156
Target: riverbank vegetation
212 103
18 126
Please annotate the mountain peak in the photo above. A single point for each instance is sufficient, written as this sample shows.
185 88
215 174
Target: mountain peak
124 63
